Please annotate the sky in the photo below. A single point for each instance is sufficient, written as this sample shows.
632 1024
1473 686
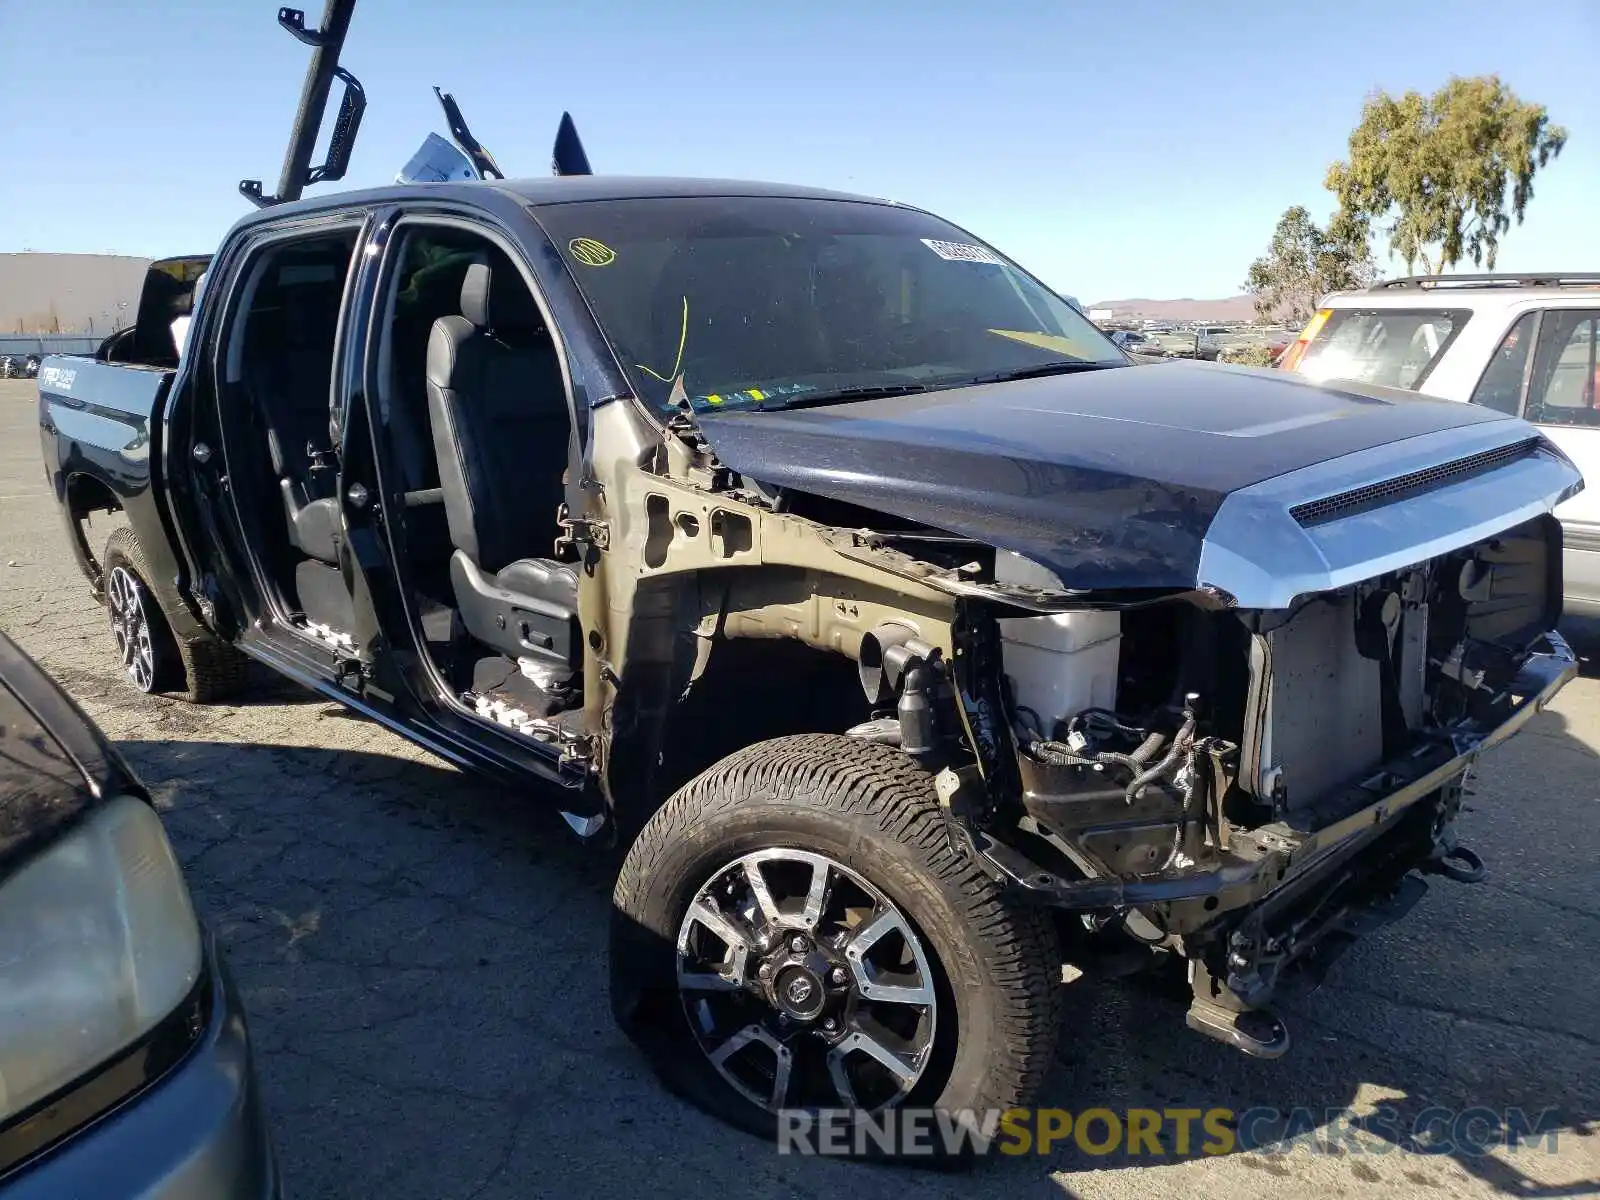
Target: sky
1135 149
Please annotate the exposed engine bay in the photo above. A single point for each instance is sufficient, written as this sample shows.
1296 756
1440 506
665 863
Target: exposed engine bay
1181 761
1330 689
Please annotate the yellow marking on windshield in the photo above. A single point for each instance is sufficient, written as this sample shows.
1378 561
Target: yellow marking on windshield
1059 342
757 394
592 253
683 337
713 399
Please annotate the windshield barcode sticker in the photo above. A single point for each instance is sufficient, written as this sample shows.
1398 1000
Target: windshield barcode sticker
962 252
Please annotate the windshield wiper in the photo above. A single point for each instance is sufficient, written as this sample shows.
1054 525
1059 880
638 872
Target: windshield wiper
871 391
1064 367
878 391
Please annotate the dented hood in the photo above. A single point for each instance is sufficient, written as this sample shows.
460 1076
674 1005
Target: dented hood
1116 478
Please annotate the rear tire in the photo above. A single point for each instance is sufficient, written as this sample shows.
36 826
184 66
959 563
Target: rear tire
871 812
201 670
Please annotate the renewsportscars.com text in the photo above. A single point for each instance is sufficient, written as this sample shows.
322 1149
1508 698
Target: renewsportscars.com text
1161 1133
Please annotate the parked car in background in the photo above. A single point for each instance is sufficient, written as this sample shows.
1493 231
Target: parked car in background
1197 342
1209 341
124 1057
1522 344
1135 342
19 366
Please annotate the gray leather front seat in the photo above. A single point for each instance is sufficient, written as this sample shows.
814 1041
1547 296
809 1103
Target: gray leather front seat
498 411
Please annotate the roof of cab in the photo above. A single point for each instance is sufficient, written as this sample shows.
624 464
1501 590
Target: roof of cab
570 188
542 191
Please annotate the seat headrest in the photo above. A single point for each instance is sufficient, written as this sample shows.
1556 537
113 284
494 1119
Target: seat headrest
498 300
475 294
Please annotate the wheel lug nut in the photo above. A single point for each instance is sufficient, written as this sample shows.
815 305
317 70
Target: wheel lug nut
797 944
838 976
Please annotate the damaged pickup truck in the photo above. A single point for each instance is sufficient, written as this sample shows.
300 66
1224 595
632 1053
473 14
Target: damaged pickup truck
809 547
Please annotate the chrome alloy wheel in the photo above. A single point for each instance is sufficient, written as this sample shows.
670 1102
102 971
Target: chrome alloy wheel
805 985
126 598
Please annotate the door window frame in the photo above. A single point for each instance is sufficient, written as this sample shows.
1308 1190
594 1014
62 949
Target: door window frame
1593 312
393 229
1534 335
245 260
1536 338
383 261
241 264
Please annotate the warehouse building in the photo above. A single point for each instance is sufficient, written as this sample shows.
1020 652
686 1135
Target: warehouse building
85 294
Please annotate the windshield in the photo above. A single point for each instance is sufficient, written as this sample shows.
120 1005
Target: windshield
762 302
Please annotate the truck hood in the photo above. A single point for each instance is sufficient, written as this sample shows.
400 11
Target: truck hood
1121 478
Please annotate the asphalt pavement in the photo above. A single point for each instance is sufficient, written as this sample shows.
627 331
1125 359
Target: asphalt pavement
423 958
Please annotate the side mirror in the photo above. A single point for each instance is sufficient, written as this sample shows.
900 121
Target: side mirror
352 106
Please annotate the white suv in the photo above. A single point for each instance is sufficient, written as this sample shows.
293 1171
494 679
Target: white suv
1521 344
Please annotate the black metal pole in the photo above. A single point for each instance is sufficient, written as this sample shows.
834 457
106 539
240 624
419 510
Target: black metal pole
314 98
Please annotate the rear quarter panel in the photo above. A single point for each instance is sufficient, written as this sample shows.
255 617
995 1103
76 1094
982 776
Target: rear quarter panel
98 425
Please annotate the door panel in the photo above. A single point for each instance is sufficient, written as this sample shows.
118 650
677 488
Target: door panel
382 627
193 470
253 432
1563 399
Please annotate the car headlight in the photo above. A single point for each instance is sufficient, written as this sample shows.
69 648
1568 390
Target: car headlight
98 943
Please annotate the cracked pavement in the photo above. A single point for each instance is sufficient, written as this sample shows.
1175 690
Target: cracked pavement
423 959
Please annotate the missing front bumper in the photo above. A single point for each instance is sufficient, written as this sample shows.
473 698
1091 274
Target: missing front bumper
1261 861
1292 896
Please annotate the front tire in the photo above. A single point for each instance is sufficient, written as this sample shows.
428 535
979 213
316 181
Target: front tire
202 670
823 861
